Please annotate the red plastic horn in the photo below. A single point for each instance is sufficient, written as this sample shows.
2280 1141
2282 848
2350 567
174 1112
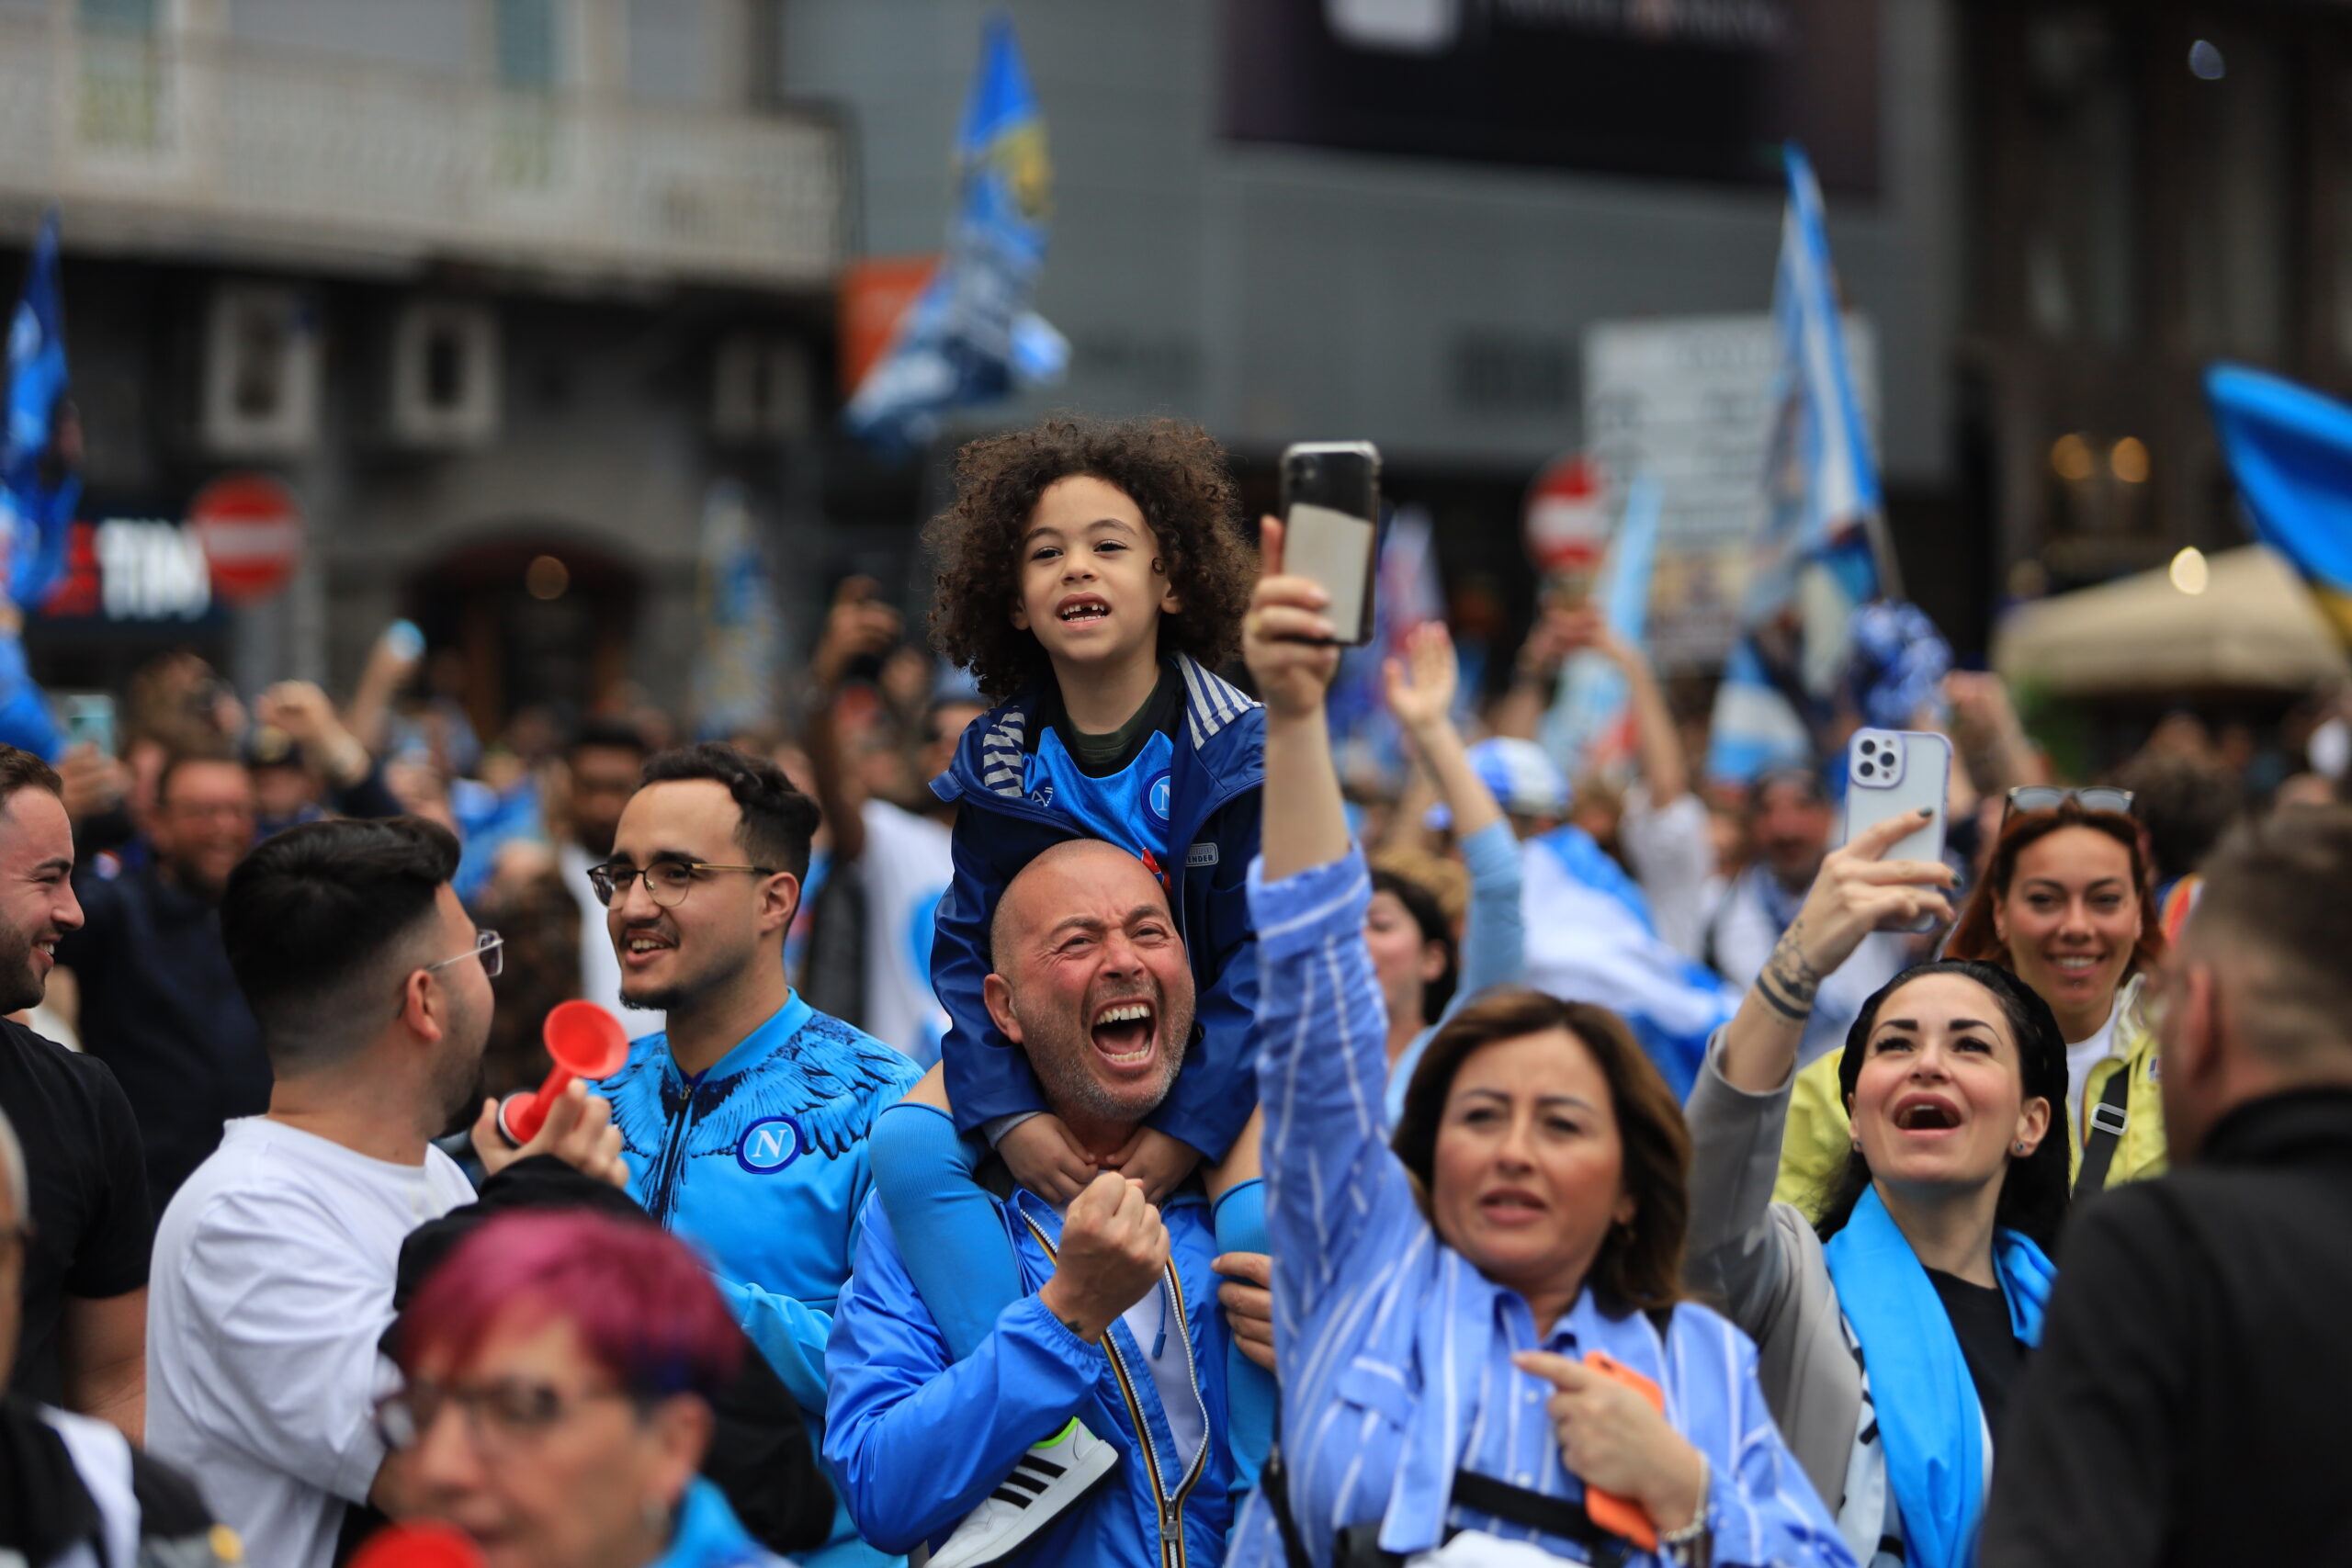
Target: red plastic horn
586 1042
420 1545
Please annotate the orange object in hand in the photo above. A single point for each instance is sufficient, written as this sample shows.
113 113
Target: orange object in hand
1622 1515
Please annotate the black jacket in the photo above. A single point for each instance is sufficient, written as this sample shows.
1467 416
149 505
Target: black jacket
759 1449
161 1008
2188 1405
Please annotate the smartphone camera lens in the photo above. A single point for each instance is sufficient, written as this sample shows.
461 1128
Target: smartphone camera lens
1870 747
1866 769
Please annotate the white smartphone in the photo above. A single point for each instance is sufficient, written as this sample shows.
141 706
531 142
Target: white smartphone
1330 501
1891 774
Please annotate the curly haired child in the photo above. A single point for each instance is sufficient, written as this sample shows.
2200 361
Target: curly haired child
1091 575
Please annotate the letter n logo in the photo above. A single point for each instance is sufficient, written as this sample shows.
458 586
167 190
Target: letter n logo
768 1146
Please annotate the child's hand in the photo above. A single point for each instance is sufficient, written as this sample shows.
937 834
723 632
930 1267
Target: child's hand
1427 700
1285 637
1046 1159
1156 1160
1249 1301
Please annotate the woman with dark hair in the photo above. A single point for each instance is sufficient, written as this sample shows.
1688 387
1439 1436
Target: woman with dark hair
2067 904
1423 973
558 1372
1890 1336
1478 1331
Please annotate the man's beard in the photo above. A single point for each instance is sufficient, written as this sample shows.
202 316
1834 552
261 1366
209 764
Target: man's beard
457 1085
21 985
1058 1054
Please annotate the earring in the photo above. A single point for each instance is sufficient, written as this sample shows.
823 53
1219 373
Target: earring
2021 1148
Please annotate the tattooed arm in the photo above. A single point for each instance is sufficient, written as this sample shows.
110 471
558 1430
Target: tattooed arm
1855 894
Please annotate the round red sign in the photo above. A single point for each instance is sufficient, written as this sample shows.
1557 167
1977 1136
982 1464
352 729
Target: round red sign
1568 516
251 528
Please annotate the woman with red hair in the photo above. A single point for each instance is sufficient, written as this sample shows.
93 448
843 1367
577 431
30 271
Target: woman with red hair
559 1371
2067 904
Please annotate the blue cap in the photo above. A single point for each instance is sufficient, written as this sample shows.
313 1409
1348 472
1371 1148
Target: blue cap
1524 779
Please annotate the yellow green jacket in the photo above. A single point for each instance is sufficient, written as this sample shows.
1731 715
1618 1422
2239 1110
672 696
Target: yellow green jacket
1814 1146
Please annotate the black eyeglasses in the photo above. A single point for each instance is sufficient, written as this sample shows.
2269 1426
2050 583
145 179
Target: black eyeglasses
667 882
2049 798
500 1416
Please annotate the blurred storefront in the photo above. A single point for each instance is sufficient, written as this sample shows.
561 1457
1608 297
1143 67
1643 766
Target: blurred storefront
2155 184
484 283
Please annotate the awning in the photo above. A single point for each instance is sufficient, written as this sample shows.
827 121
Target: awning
2253 628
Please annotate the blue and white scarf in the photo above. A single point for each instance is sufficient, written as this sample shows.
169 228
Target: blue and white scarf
1929 1422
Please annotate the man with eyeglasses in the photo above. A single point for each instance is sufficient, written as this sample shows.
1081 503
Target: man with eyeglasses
275 1265
2187 1402
745 1123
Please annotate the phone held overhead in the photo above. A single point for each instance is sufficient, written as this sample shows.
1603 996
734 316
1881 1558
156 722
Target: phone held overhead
1330 502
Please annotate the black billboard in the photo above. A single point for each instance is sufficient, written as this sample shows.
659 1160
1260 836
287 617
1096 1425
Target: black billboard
1685 89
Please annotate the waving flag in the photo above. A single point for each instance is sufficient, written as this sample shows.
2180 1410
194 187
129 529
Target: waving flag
39 456
970 336
2290 451
742 631
1820 553
1406 594
1590 728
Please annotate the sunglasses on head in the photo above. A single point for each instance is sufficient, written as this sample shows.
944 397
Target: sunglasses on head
2049 798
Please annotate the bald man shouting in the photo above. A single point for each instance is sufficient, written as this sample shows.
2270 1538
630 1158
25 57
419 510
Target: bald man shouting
1119 1324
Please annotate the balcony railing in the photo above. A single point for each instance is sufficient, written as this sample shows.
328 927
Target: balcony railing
178 142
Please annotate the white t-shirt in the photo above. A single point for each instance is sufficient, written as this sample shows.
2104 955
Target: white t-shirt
272 1283
908 863
1672 854
1171 1371
600 966
2081 1058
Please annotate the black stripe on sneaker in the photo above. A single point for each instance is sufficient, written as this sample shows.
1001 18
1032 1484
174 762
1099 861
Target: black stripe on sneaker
1029 1484
1044 1466
1018 1499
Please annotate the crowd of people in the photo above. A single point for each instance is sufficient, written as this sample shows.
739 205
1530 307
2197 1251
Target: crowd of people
1070 1117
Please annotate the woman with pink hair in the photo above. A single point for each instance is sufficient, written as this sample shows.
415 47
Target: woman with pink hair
558 1368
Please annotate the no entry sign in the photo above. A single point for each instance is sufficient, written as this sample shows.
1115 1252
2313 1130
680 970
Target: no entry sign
252 530
1568 516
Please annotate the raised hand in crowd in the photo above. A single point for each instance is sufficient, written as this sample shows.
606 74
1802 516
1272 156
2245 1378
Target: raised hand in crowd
579 1131
1112 1250
304 713
859 626
1855 893
95 782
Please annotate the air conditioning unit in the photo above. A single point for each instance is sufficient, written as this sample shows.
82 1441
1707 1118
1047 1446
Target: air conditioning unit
444 392
260 396
761 389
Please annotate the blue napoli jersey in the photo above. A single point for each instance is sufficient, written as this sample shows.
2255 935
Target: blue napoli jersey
761 1160
761 1163
1128 808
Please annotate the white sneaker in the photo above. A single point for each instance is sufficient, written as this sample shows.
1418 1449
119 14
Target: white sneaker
1047 1480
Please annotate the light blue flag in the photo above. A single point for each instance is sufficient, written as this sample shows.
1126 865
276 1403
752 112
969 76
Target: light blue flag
39 477
1820 553
742 629
2291 450
1586 728
970 337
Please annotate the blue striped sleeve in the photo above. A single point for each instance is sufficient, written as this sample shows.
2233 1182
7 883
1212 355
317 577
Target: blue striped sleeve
1322 1077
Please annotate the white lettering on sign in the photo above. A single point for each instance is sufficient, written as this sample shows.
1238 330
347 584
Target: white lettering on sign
1688 402
151 570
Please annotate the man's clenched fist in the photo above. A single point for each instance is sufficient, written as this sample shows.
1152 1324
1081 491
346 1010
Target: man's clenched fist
1114 1249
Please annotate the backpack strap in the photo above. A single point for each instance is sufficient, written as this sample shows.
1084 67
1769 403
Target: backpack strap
2110 1117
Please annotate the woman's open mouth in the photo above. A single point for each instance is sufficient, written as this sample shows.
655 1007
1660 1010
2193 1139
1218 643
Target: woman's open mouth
1510 1206
1924 1113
